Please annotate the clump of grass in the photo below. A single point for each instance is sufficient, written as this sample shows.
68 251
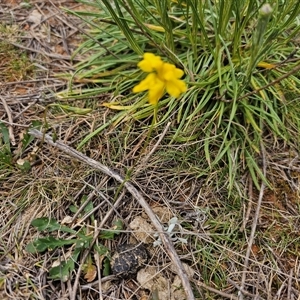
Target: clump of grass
15 65
12 158
241 64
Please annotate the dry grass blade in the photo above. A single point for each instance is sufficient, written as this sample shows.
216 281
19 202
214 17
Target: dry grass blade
57 56
135 193
253 228
146 159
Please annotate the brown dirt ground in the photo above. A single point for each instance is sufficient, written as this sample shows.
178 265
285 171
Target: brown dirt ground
49 36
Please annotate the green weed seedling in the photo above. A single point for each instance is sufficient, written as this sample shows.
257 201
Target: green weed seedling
77 241
5 150
9 157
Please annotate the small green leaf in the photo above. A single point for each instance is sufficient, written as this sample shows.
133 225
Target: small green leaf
89 207
84 241
27 139
46 224
106 267
5 151
73 209
24 165
63 271
5 134
48 243
110 234
73 109
5 156
31 248
107 235
118 225
101 249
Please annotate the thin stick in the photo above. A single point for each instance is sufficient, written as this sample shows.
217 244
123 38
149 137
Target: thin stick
10 120
2 84
239 288
98 263
15 124
26 108
247 216
253 228
95 283
289 287
135 193
211 289
56 56
293 71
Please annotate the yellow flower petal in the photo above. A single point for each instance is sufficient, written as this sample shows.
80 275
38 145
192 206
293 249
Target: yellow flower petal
145 66
163 76
176 87
178 73
115 105
145 84
266 65
170 72
150 63
155 28
156 92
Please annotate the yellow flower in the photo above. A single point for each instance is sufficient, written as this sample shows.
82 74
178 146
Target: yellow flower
162 77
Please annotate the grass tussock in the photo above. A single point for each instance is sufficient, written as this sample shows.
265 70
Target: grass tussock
241 65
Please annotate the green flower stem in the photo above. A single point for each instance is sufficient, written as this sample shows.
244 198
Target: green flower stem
264 16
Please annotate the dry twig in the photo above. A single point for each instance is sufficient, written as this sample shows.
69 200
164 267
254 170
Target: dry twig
220 293
247 215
